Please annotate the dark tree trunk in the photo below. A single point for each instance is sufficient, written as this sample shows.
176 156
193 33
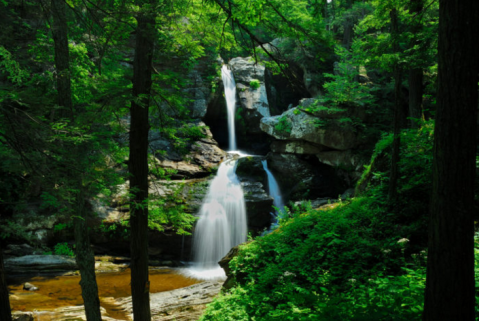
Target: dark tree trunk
450 264
138 166
62 60
415 74
85 258
5 311
398 117
415 96
348 33
86 262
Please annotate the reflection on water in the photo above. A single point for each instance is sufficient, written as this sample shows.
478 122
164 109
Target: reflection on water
62 291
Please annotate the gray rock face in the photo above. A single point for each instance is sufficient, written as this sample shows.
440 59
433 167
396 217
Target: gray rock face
254 102
258 202
203 158
295 147
304 177
298 125
44 263
19 250
344 159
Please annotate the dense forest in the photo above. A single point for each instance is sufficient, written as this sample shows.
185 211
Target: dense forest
322 152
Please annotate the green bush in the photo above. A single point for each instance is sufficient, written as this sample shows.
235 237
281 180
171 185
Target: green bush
63 249
255 84
284 125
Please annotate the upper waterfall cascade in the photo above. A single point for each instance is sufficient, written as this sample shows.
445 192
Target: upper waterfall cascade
230 96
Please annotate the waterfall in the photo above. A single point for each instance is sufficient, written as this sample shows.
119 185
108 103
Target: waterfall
273 189
222 217
221 224
230 96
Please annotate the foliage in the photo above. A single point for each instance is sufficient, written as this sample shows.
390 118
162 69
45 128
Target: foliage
344 87
355 260
284 125
63 249
254 84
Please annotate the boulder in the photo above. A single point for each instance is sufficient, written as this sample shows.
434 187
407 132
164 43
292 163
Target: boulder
29 287
295 124
19 249
345 159
185 304
304 177
40 263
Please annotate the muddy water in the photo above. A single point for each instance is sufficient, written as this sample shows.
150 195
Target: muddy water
61 291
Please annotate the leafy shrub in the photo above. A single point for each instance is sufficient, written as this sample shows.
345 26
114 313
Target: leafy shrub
343 87
284 125
255 84
63 249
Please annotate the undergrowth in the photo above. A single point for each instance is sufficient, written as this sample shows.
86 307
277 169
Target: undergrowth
362 259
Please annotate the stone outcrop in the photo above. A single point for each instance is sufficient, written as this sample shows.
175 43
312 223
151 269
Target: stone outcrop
295 124
203 158
40 263
258 202
304 177
253 101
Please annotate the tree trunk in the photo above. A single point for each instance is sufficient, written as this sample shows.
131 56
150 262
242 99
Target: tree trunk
415 96
450 264
394 173
85 258
138 166
62 56
5 311
86 262
415 74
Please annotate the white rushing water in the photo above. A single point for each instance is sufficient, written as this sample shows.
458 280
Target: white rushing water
273 189
222 217
230 96
222 223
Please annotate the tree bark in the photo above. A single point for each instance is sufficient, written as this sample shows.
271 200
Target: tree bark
415 74
415 96
5 311
86 262
85 257
62 56
394 173
450 267
138 166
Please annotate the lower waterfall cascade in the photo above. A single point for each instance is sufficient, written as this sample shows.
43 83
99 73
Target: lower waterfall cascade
221 225
274 191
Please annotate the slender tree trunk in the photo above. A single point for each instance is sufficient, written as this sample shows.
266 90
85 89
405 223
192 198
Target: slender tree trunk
5 311
86 262
85 258
138 166
450 265
394 173
415 96
62 56
415 74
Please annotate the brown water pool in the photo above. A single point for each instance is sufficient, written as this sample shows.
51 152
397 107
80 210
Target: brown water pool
61 291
